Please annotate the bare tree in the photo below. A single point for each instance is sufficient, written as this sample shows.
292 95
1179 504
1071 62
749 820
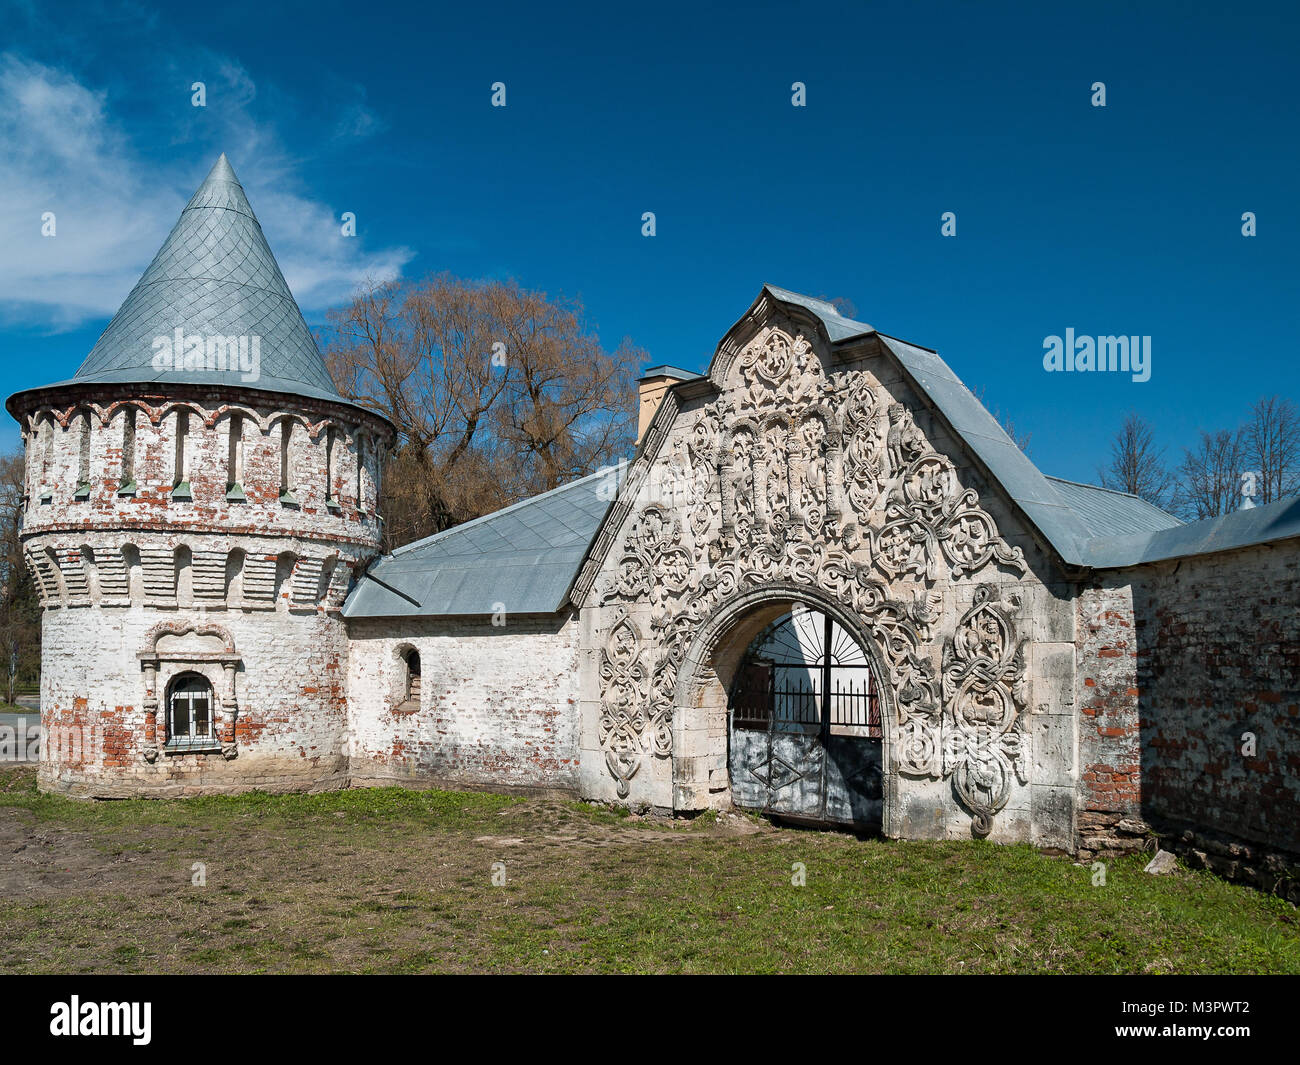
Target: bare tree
1209 476
844 306
1271 448
20 618
1021 440
1136 464
497 393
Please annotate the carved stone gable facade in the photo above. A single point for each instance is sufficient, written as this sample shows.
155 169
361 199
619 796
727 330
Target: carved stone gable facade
801 472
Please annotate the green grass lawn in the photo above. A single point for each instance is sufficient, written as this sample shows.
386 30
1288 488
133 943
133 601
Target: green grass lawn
388 880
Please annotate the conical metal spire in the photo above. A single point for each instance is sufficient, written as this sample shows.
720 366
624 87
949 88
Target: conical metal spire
221 189
221 171
214 277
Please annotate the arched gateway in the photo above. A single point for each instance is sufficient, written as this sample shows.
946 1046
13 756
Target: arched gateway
783 695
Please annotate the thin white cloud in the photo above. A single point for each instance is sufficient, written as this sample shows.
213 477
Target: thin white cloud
66 153
243 90
357 121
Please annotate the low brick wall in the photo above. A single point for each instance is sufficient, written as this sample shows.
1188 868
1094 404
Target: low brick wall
1190 701
1221 730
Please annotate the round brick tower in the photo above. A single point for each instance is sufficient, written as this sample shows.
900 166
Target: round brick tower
198 498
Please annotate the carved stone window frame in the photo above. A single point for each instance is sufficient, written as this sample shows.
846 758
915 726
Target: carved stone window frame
160 668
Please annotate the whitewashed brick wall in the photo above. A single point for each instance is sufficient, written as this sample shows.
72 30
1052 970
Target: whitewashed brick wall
291 716
498 708
271 576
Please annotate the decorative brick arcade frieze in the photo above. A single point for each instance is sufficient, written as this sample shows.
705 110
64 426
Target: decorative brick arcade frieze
148 461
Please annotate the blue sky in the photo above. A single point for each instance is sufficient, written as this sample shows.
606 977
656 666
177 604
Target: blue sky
1117 220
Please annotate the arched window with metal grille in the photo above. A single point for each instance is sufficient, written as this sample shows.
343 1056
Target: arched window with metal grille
805 671
190 720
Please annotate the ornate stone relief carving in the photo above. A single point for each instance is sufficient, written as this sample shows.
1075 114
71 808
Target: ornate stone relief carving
928 519
984 694
798 479
624 711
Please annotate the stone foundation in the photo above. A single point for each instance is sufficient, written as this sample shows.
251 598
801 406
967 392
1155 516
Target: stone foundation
1266 868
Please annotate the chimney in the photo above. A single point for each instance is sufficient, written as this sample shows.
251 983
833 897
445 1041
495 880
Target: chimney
650 391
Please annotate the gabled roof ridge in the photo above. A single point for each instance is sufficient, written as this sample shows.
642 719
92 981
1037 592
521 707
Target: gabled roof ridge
844 327
1100 488
1024 485
1094 487
1042 504
919 347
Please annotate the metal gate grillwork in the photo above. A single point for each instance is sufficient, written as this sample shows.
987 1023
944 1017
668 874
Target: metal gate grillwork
806 733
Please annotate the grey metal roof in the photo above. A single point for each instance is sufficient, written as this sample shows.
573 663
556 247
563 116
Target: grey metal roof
214 275
1242 528
670 371
1107 512
837 326
1006 463
524 557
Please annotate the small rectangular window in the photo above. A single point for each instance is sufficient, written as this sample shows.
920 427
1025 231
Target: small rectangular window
182 430
235 460
331 500
127 485
180 471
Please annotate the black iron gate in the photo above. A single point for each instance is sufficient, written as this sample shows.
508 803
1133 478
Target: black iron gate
805 739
